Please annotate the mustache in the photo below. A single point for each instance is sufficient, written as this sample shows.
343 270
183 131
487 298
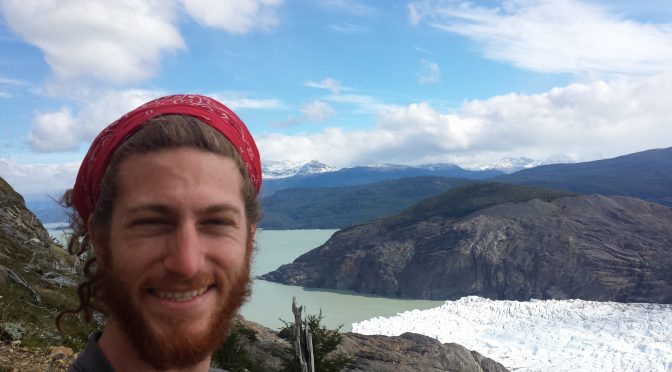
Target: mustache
175 283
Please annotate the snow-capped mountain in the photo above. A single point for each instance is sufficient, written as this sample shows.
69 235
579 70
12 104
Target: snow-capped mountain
439 166
430 167
273 169
510 164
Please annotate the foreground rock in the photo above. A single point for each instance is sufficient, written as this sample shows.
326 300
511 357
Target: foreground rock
501 242
411 352
37 277
407 352
16 358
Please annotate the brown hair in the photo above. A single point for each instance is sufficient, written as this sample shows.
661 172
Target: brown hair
159 133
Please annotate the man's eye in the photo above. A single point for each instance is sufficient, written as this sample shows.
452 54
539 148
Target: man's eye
150 221
218 222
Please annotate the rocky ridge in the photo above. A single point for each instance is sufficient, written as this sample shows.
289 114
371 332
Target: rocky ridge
404 353
37 276
501 242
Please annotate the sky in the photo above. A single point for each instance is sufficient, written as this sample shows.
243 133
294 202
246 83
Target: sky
344 82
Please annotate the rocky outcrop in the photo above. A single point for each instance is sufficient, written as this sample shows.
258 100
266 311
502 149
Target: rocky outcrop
501 242
37 276
405 353
411 352
16 358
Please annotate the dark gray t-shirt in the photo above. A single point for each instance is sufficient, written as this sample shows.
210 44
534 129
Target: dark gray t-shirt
92 359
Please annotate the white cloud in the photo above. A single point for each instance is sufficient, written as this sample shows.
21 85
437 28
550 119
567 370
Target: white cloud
117 42
9 85
64 131
38 180
237 16
565 36
6 81
317 111
365 103
123 42
353 7
430 73
578 122
54 131
312 112
348 28
423 50
403 135
235 101
333 85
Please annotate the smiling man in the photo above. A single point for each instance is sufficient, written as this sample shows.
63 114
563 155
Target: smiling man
166 199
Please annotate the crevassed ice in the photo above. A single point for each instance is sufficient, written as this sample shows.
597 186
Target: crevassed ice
551 335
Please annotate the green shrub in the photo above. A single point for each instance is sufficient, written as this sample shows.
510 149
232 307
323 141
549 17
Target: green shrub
325 341
231 355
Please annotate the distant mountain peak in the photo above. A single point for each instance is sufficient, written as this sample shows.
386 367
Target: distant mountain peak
439 166
274 169
510 164
430 167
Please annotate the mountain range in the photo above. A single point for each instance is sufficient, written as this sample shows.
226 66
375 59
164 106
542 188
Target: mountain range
340 207
369 174
646 175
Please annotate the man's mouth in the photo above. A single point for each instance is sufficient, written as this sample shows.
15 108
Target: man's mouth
180 296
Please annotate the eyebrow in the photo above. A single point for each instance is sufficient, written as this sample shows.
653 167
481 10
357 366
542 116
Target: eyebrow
164 209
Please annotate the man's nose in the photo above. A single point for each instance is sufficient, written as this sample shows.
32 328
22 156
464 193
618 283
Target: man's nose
185 256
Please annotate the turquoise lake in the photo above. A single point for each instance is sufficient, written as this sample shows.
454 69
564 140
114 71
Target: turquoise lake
271 301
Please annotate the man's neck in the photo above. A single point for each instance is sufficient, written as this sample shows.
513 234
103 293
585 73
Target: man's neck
119 351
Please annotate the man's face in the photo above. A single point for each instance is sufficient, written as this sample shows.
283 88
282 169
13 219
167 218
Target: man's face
176 265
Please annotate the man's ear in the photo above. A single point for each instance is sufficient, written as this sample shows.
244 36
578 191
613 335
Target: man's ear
250 238
96 239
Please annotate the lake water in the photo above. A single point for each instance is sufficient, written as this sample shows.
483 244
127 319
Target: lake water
271 302
58 231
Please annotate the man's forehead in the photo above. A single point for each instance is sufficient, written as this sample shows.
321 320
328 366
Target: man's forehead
183 175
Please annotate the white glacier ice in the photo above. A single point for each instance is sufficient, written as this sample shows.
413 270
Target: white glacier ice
549 335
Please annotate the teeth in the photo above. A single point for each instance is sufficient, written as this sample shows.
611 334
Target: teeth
181 296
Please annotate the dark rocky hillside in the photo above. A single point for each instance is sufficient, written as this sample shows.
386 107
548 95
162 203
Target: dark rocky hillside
646 175
340 207
501 242
37 276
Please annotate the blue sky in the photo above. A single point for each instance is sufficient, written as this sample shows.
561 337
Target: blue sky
345 82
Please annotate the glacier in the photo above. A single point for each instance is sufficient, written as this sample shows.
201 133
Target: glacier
545 335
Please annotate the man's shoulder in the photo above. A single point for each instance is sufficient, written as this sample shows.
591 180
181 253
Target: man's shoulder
91 358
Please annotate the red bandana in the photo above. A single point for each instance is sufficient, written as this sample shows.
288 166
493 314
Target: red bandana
211 112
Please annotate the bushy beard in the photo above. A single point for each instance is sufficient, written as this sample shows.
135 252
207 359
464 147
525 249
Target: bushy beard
174 347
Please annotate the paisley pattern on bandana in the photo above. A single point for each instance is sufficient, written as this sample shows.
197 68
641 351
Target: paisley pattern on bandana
208 110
